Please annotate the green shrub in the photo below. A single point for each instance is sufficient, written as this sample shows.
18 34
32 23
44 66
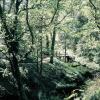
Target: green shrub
96 96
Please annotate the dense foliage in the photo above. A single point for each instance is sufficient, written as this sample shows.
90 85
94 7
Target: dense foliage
48 48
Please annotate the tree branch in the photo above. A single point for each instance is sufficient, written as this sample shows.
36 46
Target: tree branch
11 4
27 21
52 18
95 12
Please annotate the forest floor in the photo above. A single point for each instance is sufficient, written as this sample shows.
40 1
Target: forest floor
90 90
92 87
70 76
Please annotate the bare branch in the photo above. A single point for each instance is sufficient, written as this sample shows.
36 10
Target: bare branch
55 12
92 4
95 14
61 20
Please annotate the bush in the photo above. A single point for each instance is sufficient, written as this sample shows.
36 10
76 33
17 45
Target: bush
96 96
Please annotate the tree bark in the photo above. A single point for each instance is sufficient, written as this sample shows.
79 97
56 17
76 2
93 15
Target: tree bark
53 45
41 47
65 50
47 43
27 21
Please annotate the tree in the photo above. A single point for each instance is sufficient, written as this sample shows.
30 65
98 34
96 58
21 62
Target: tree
12 44
53 45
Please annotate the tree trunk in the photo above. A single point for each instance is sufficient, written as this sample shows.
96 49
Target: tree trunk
53 45
37 61
27 21
47 43
65 50
41 62
12 45
41 45
17 76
